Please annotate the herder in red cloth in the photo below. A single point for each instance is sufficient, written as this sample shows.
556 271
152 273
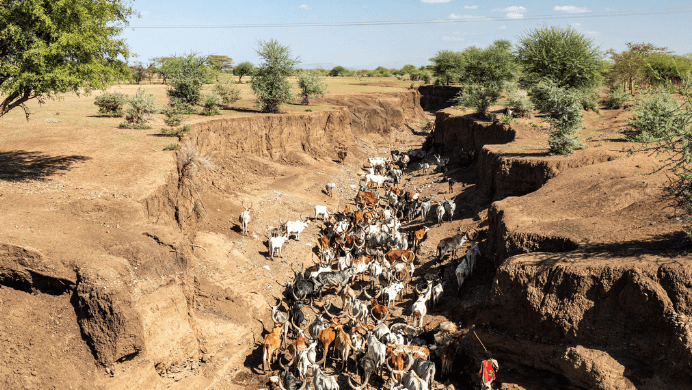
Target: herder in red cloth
487 373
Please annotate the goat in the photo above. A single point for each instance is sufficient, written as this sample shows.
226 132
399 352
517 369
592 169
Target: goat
275 243
437 293
245 218
321 210
329 188
440 213
379 180
425 167
296 227
451 244
449 208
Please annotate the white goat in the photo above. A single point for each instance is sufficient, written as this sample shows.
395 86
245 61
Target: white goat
244 218
275 243
296 227
330 189
321 210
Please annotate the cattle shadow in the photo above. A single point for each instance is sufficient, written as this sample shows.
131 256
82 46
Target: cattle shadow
20 165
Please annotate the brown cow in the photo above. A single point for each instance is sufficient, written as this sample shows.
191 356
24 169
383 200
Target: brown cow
272 341
343 346
379 312
395 361
367 198
396 254
324 242
419 235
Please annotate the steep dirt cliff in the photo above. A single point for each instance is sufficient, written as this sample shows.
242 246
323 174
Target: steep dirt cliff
592 276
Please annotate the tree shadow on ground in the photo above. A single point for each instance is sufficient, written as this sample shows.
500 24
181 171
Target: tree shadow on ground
20 165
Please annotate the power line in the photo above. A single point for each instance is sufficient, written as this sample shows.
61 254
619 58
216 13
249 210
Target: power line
437 21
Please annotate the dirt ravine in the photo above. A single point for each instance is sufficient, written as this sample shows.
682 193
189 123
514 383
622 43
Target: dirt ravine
584 279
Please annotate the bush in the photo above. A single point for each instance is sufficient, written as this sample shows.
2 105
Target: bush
520 103
656 115
270 82
477 97
491 67
211 104
616 97
176 132
187 74
588 100
564 107
172 147
337 71
562 55
111 103
227 90
310 84
172 116
141 108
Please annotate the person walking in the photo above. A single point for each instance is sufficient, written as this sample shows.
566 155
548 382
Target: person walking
489 367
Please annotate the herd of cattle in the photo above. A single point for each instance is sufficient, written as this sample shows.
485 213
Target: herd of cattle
366 238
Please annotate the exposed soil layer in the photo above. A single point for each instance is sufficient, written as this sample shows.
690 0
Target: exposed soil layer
143 279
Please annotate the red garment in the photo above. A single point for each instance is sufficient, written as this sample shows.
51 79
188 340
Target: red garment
487 371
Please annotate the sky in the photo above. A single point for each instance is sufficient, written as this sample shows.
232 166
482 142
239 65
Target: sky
405 32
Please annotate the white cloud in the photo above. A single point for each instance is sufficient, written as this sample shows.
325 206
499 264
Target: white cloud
454 16
304 6
435 1
513 9
452 39
470 7
145 14
571 9
503 27
514 15
575 24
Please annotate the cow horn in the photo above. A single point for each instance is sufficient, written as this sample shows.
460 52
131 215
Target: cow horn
293 292
365 291
354 387
378 294
302 387
310 359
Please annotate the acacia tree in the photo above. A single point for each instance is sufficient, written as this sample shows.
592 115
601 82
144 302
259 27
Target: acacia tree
243 69
270 81
562 55
310 84
448 65
49 47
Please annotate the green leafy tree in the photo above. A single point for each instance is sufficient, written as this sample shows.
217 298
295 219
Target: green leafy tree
243 69
187 74
138 72
408 69
491 67
270 81
311 84
337 71
49 47
220 63
562 55
448 66
564 107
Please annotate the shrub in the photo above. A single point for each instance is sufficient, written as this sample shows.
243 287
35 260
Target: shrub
111 103
657 115
270 82
310 84
562 55
491 67
588 100
176 132
337 71
211 104
616 97
448 66
520 103
477 97
172 147
172 116
564 107
227 90
243 69
141 108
